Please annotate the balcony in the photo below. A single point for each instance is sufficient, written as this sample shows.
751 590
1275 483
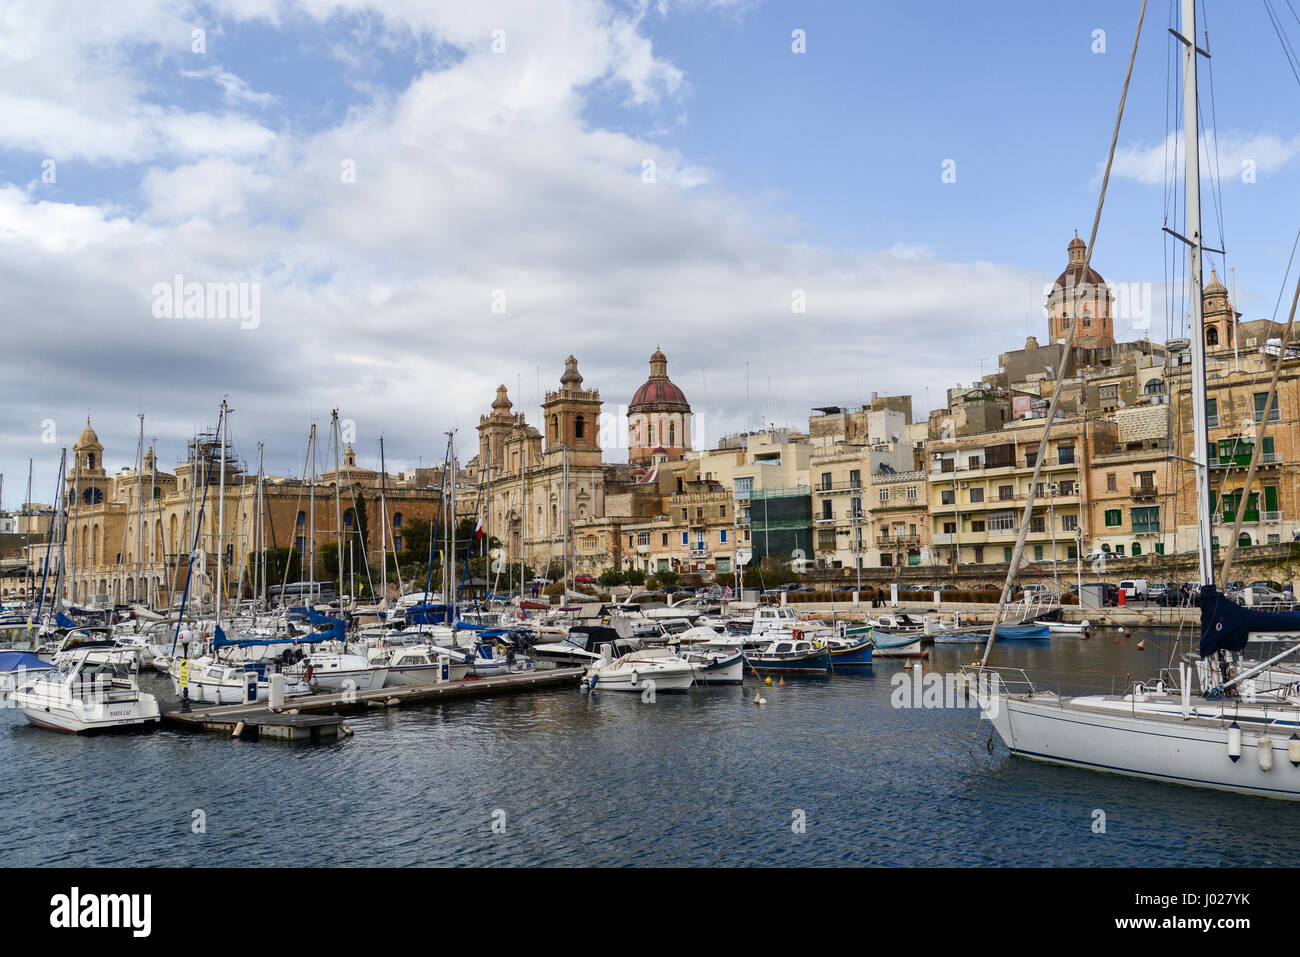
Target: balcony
897 541
1272 516
1141 492
699 554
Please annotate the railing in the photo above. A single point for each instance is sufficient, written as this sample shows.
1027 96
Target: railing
1272 516
890 541
1141 491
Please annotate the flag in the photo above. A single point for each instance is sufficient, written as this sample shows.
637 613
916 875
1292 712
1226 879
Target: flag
478 527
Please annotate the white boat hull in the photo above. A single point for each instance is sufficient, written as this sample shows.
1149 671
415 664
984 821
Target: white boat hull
79 716
1095 733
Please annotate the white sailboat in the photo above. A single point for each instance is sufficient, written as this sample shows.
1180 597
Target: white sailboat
1216 740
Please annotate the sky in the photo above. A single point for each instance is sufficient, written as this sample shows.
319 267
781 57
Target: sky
801 203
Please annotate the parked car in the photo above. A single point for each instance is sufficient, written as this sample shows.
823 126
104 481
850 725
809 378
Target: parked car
1156 591
584 579
1135 589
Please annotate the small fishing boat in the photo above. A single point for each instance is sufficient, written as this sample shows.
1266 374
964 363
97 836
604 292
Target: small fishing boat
716 666
886 644
850 654
978 634
791 655
91 691
656 669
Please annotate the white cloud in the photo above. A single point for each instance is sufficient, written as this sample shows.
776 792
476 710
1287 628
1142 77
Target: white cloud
1225 156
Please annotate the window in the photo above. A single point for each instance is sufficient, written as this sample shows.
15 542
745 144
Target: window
979 554
1212 336
722 535
1065 455
1037 524
855 508
665 540
1066 488
580 426
977 525
1002 521
1160 548
1273 413
1071 553
1006 493
855 478
1006 554
949 528
911 493
1000 456
826 480
827 513
1070 523
302 518
1038 553
1145 520
884 496
1114 517
1212 413
947 497
1110 482
397 520
672 432
686 538
973 462
977 495
643 538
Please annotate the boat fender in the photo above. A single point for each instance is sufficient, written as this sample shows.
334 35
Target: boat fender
1293 750
239 729
768 681
1234 742
392 702
1264 747
346 730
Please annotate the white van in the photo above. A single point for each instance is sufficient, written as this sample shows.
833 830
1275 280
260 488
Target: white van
1134 588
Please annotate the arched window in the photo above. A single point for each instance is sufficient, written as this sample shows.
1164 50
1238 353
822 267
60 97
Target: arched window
348 518
397 520
302 518
579 427
555 427
90 461
1137 548
1212 336
1243 541
672 433
1155 387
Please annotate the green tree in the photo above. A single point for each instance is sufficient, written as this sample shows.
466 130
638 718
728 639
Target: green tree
635 577
611 577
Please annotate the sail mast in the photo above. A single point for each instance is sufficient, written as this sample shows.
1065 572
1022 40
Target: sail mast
1196 331
221 516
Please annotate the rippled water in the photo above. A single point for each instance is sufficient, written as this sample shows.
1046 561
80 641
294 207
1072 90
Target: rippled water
705 777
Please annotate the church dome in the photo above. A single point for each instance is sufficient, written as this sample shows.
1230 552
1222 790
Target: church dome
88 438
659 393
1074 273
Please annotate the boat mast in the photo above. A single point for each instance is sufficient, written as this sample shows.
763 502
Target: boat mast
338 491
1192 185
383 525
139 510
27 535
451 522
259 583
154 531
221 516
311 518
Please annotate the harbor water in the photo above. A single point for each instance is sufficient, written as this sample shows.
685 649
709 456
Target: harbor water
827 772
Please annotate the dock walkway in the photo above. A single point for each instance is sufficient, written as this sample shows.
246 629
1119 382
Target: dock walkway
316 717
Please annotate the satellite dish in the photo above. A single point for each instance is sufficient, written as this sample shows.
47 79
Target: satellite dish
1119 403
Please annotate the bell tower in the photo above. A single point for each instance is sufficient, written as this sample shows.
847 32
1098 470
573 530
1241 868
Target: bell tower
572 418
1220 318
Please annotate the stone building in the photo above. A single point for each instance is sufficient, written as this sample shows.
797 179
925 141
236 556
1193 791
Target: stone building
658 418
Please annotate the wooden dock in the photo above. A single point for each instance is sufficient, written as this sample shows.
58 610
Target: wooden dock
318 717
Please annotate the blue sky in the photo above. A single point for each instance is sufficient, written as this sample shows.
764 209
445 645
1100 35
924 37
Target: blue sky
519 172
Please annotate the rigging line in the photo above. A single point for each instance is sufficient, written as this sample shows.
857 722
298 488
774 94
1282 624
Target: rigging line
1287 51
1065 356
1216 179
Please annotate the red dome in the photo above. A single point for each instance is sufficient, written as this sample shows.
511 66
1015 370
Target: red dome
658 392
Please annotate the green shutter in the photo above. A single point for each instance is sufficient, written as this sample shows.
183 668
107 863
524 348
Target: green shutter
1270 498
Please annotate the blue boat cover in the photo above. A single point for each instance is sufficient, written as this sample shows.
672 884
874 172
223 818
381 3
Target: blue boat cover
23 661
63 621
1226 626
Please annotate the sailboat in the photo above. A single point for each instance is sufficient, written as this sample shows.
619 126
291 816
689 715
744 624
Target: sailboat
1216 739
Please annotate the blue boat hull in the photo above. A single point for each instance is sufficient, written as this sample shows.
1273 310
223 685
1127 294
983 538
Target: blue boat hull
854 656
817 663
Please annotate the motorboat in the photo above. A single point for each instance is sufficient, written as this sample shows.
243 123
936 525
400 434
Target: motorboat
17 666
578 646
331 671
419 664
92 690
716 666
641 670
